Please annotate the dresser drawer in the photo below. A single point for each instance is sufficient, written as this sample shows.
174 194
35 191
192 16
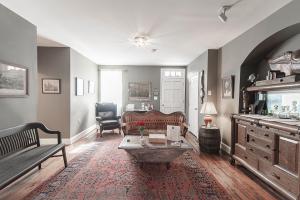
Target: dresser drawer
280 177
248 157
266 133
261 153
251 129
256 140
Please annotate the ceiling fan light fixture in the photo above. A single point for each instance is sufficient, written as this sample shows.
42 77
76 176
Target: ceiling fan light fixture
141 40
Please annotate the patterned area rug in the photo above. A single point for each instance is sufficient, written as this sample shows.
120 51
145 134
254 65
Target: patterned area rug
103 171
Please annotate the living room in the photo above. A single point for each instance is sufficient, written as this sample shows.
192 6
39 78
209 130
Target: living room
149 99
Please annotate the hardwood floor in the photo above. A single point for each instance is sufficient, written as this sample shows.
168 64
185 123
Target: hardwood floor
234 179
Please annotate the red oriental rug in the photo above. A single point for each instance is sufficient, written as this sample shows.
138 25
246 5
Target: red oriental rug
105 172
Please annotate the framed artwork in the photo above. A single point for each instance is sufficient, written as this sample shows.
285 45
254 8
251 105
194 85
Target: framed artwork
202 92
139 91
79 87
51 86
228 87
91 88
13 80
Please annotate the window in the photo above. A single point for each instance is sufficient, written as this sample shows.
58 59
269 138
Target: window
111 87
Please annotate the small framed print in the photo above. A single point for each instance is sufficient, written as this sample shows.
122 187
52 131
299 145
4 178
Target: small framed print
91 88
51 86
79 87
228 87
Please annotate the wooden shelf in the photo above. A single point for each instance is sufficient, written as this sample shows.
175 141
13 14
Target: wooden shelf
272 87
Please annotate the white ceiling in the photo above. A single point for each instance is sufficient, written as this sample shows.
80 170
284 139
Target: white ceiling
179 29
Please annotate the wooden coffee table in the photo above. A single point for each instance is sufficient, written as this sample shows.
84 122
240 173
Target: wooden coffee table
153 153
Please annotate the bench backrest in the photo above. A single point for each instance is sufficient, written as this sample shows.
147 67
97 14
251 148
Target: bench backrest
18 138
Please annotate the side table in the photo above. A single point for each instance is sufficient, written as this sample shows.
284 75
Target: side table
209 139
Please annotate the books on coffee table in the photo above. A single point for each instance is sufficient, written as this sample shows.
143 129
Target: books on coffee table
157 138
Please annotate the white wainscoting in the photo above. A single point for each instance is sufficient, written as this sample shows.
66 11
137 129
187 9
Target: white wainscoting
68 141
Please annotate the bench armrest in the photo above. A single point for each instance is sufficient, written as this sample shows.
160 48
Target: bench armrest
49 131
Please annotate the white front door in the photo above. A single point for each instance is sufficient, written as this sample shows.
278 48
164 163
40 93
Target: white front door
172 98
193 103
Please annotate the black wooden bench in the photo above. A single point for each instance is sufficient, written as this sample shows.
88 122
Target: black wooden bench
20 151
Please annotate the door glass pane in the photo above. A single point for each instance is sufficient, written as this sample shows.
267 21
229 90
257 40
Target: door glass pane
178 74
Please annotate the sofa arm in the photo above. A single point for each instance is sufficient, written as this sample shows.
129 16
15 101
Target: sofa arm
185 128
124 128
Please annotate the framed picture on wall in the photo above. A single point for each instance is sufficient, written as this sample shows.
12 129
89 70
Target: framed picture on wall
139 91
228 87
51 86
91 87
79 85
13 80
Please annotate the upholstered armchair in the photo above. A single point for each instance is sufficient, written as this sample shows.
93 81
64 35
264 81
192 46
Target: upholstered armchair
106 117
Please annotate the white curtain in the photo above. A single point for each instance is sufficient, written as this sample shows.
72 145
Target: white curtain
111 87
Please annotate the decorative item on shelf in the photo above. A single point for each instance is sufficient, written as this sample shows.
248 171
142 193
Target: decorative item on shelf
50 86
288 63
228 87
246 95
208 109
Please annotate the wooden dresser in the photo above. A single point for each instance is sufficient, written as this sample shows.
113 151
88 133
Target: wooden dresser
270 149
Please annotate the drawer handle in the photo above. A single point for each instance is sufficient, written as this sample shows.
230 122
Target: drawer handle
266 157
276 176
292 134
268 146
251 149
266 135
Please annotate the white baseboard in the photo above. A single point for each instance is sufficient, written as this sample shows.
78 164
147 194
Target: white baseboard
82 134
68 141
225 148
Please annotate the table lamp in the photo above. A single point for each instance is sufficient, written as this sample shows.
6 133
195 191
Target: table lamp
208 109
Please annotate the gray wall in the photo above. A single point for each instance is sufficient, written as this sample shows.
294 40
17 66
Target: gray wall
54 109
140 74
82 114
18 46
207 61
233 54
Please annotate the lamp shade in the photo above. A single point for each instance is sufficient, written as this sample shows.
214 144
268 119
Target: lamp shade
208 108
